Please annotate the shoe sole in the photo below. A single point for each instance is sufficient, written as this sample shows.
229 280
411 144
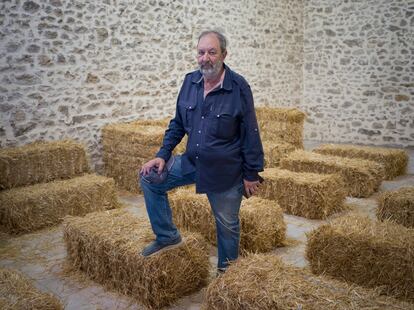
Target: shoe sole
166 248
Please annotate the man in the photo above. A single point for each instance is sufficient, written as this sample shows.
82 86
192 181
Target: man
223 156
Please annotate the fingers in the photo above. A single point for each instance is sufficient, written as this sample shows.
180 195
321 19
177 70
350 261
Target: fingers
161 166
156 162
251 188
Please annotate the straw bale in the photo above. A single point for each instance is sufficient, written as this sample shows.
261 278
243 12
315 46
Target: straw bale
274 151
397 206
127 146
107 246
124 170
17 292
281 124
264 282
32 207
395 161
366 252
40 162
310 195
261 221
361 177
135 134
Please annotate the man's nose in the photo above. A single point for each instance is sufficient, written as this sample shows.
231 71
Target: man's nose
205 57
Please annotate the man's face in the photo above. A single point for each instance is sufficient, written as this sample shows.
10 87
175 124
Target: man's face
209 56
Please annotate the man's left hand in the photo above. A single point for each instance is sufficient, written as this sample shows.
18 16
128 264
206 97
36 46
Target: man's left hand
251 187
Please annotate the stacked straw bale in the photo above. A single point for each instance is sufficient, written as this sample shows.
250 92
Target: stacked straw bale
311 195
17 292
395 161
28 208
275 151
361 177
41 162
107 246
366 252
127 146
261 220
264 282
281 125
397 206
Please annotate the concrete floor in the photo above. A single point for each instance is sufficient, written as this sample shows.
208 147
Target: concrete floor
41 255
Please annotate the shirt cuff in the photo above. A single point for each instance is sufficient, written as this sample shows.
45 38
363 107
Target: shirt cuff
164 154
251 176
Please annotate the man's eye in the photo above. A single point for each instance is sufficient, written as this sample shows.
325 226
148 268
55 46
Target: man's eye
200 53
212 53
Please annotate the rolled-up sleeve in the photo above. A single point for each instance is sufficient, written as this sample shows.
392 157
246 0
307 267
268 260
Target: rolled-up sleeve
252 149
173 135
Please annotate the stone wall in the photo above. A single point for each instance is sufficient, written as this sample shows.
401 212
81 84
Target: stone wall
69 67
359 71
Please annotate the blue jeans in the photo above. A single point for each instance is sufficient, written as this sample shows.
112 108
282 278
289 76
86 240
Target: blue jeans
225 206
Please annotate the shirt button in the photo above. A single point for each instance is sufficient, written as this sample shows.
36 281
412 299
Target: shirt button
196 157
202 117
199 131
197 144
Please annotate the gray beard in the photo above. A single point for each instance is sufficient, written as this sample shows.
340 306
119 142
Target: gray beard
212 72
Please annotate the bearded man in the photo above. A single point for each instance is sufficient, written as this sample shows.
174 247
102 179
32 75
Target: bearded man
224 153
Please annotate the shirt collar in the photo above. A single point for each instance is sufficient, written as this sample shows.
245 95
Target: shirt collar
227 82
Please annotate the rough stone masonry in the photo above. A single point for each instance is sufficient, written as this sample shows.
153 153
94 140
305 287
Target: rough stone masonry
69 67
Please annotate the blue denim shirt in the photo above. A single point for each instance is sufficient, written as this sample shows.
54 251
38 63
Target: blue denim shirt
224 143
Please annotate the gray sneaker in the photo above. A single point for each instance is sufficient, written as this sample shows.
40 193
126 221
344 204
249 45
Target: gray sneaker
156 248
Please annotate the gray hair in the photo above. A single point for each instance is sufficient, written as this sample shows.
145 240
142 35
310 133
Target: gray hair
222 39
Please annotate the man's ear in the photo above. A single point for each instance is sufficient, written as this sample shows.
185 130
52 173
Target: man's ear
224 54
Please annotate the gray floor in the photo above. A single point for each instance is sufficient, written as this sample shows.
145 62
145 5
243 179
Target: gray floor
41 255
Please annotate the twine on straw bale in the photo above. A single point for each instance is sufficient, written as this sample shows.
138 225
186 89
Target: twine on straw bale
397 206
127 146
261 221
366 252
395 161
281 124
107 246
311 195
17 292
275 151
264 282
28 208
361 177
40 162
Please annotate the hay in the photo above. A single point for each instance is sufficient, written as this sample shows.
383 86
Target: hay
314 196
28 208
261 221
281 125
264 282
262 225
107 246
361 177
397 206
395 161
127 146
41 162
17 292
275 151
366 252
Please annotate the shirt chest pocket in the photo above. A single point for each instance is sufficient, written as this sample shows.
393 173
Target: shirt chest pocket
187 110
222 126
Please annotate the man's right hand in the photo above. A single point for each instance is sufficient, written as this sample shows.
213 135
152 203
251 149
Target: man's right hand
156 162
